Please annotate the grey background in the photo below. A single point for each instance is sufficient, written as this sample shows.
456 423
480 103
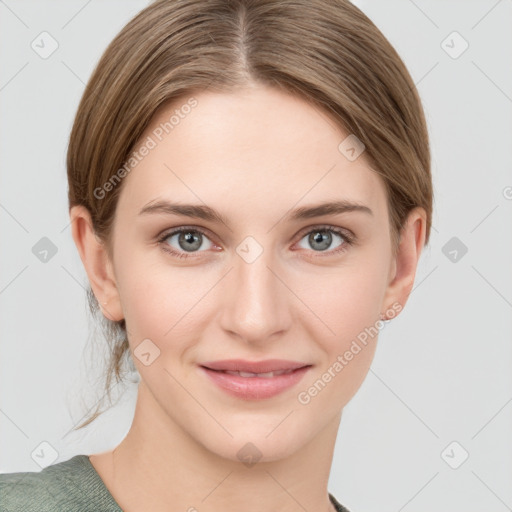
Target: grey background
442 370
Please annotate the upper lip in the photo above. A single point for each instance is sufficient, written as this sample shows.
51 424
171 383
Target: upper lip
241 365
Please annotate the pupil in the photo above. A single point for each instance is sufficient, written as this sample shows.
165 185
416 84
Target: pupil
322 238
192 241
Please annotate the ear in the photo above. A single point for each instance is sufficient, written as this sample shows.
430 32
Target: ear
404 264
96 262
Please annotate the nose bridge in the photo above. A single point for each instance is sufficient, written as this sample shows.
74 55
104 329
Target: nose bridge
255 308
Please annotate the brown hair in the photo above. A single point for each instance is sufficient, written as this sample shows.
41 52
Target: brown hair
326 51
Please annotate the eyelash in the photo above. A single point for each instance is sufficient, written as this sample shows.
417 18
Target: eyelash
349 239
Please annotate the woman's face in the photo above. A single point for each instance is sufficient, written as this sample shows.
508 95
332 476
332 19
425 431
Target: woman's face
263 283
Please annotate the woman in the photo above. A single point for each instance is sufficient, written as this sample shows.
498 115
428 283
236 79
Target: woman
250 193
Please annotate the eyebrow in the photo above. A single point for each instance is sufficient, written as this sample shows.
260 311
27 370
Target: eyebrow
206 213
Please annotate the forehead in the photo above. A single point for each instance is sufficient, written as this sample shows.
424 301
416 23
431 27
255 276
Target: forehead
258 146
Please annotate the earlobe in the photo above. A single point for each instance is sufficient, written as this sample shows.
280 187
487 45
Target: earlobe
96 263
412 241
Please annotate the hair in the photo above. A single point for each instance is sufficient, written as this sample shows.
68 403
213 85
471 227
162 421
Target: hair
328 52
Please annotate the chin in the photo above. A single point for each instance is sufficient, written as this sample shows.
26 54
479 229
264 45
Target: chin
254 445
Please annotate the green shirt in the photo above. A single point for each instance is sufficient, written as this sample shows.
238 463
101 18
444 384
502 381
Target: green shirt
69 486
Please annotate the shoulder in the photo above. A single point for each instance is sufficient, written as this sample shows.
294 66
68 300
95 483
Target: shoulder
72 485
337 505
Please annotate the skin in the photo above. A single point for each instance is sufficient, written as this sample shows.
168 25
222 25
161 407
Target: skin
253 155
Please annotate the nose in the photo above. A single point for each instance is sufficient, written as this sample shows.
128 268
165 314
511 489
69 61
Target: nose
256 303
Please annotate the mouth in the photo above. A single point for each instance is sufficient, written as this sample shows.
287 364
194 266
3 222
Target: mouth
256 368
252 385
265 375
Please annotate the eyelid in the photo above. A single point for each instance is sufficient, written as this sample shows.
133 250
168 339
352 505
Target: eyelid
183 227
347 233
160 238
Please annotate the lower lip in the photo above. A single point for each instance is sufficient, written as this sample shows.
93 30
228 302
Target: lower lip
254 388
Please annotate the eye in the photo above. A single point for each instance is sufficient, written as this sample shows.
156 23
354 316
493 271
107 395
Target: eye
186 240
321 238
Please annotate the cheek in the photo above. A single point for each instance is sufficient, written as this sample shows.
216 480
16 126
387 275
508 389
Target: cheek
162 302
347 301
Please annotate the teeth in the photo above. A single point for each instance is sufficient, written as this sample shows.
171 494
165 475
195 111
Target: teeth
265 375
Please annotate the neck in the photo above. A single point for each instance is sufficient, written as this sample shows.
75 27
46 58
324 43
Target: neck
160 467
